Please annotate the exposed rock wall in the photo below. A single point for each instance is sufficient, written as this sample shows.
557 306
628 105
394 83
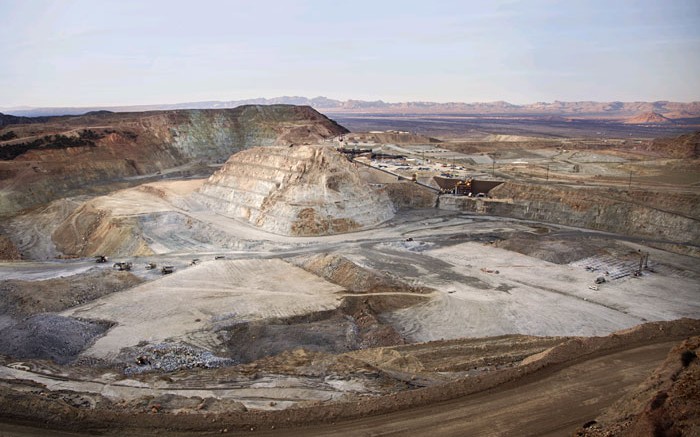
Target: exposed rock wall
403 193
301 190
217 134
581 208
128 146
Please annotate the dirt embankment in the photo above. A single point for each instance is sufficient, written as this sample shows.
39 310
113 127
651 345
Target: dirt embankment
592 209
406 195
665 404
90 231
684 146
561 248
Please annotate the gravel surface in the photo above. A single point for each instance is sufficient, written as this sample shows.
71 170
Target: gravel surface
49 336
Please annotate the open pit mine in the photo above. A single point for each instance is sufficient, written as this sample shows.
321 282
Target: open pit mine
211 271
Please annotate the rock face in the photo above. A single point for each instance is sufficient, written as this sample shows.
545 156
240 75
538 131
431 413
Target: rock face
47 158
671 217
299 191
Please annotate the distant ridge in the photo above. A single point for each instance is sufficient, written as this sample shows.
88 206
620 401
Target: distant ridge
583 109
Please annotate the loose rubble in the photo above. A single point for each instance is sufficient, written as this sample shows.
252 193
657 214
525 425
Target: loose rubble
168 357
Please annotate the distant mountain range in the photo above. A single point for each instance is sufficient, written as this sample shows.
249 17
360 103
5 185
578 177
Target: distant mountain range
610 110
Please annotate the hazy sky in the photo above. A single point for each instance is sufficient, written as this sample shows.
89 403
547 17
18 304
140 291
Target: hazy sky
100 52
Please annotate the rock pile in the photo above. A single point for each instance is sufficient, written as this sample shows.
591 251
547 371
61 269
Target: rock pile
169 357
50 337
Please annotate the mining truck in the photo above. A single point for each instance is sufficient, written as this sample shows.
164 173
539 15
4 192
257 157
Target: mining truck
122 266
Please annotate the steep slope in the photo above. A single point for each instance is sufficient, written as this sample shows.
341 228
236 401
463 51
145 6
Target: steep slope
66 156
661 216
302 190
684 146
666 403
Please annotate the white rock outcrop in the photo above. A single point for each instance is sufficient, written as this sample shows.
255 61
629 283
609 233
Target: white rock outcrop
299 190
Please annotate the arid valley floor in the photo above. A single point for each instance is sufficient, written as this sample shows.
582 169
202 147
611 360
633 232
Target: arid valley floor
308 293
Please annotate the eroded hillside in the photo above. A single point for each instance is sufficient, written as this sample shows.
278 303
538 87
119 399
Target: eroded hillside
46 159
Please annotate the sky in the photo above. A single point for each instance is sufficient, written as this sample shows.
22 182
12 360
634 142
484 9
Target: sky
123 52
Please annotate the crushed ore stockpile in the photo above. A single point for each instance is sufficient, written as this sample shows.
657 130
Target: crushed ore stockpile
169 357
51 337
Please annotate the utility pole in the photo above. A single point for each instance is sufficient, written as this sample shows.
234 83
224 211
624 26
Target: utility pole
629 186
493 170
547 177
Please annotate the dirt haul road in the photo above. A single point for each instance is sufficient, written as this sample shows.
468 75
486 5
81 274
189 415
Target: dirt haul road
551 402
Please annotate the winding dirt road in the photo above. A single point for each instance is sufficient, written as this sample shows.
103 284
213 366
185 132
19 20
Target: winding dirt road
552 402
